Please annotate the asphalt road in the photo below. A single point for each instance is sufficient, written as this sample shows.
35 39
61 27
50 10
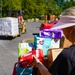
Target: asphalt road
9 48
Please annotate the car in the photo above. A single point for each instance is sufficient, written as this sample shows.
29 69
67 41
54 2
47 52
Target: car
48 25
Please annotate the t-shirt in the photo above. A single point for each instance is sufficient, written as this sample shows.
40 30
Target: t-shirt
20 19
64 64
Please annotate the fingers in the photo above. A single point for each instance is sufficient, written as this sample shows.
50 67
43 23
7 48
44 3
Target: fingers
35 59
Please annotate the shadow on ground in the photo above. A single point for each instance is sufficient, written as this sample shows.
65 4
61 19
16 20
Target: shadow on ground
6 38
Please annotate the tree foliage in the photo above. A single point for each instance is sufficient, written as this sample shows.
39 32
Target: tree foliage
67 5
11 5
36 8
53 8
33 8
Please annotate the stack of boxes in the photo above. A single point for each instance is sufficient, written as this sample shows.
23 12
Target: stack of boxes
9 26
44 40
22 66
47 39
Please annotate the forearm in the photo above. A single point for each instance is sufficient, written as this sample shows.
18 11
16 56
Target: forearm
43 70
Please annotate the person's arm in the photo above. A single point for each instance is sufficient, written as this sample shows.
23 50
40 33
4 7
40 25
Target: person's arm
43 70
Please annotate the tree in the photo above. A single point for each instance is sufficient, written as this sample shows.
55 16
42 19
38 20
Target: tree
28 8
53 8
33 8
11 5
67 5
0 8
17 4
40 8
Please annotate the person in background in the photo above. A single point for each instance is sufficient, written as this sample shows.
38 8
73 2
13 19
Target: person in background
64 64
20 18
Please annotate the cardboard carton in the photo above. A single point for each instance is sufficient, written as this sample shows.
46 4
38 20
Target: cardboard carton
52 54
65 42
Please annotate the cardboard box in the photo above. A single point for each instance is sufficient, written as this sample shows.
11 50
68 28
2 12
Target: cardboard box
47 33
52 54
65 42
24 48
45 43
42 43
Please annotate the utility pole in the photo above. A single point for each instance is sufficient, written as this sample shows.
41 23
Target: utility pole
0 8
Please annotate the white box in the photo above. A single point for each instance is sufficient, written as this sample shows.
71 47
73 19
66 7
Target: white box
9 26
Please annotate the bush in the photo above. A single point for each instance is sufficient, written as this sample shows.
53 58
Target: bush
25 17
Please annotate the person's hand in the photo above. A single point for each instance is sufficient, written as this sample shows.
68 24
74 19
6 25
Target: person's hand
36 61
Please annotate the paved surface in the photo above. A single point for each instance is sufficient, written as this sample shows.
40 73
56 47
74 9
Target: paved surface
9 51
